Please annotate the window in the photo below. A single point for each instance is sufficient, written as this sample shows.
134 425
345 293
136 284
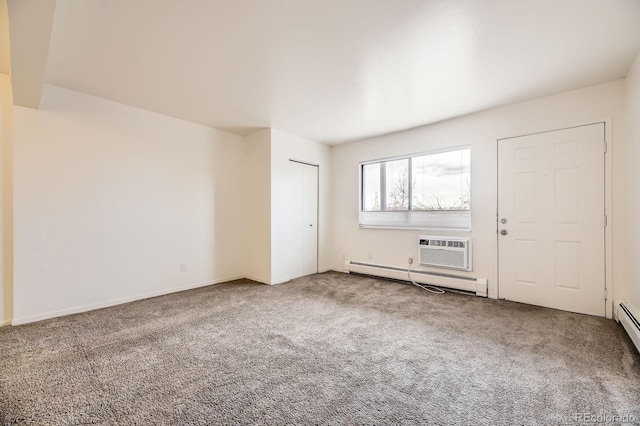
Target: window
430 190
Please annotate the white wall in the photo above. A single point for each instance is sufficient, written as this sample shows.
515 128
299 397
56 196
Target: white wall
285 146
110 199
633 193
257 211
6 200
481 131
6 171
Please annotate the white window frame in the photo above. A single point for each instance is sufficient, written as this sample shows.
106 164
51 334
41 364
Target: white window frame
440 220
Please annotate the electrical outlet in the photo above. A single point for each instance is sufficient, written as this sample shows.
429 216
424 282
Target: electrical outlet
410 260
183 267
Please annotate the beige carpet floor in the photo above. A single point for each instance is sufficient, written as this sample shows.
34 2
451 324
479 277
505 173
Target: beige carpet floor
325 349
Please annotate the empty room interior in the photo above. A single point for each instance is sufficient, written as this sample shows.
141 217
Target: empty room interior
319 212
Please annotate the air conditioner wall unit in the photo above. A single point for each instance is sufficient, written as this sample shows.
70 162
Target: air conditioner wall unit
445 252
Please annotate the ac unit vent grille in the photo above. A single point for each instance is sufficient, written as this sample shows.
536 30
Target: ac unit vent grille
443 258
445 252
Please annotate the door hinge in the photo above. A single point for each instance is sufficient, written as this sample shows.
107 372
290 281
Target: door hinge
606 220
605 146
605 294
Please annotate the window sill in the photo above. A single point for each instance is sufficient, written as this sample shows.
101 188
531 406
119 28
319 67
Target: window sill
413 228
459 220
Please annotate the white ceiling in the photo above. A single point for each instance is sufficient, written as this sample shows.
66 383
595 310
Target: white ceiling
336 70
30 25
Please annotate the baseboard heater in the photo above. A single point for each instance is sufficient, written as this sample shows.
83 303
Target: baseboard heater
627 315
478 286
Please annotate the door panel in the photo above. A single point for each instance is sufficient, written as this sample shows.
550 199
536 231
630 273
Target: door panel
295 221
302 220
310 220
551 194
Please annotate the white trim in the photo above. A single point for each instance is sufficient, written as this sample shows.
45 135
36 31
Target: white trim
416 154
114 302
457 282
406 228
306 163
258 280
608 209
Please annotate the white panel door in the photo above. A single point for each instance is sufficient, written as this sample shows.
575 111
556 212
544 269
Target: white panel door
551 219
302 222
310 220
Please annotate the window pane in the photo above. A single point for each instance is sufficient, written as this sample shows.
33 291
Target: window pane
371 187
397 184
438 185
442 181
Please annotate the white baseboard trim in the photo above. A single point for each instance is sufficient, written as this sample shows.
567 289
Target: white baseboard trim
475 285
114 302
256 279
628 315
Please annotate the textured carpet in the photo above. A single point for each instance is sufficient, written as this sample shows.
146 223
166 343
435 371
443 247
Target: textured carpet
325 349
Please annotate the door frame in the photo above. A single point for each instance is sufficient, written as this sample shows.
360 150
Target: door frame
608 204
317 166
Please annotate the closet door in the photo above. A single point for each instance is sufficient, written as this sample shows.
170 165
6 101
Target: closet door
310 220
303 220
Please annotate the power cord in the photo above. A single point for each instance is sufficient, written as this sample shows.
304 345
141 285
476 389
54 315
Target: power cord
426 287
